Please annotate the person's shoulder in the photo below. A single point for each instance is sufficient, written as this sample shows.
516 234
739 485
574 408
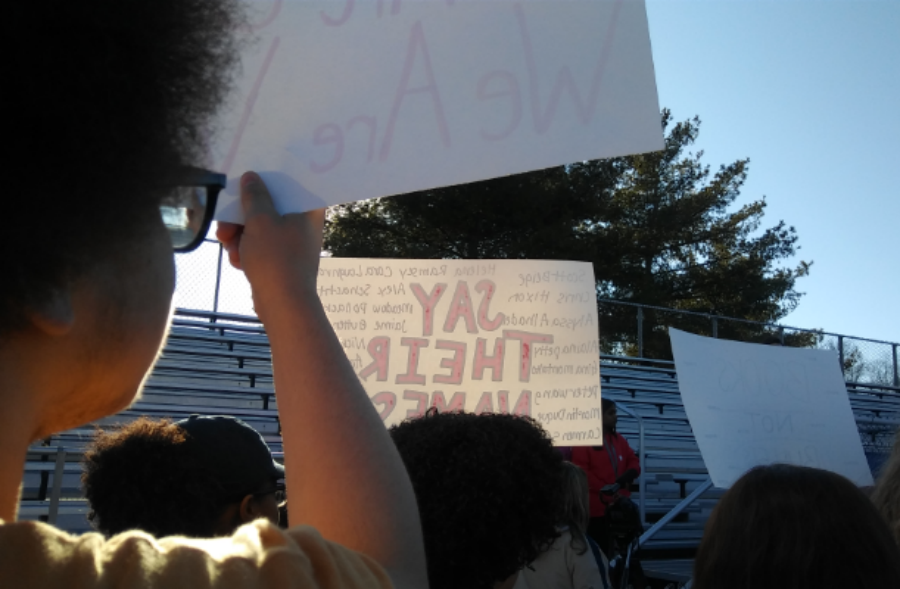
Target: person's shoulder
28 537
268 551
35 554
350 568
38 555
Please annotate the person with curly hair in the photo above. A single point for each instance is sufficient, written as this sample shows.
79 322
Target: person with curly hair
200 477
573 561
793 526
886 494
489 491
110 108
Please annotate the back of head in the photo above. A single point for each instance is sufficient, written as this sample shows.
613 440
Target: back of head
886 495
105 99
575 505
488 488
174 478
797 527
141 477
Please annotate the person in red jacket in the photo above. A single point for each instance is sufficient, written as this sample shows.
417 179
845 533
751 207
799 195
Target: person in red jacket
613 463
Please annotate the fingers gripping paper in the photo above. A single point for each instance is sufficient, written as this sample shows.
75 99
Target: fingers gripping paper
343 100
750 404
500 336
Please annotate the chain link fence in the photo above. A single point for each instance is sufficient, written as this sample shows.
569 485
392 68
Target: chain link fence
208 282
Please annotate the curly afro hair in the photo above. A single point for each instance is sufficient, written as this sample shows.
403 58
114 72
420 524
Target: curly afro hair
488 488
106 100
139 477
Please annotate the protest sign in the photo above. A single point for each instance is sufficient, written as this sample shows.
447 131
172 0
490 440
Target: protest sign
750 404
500 336
343 100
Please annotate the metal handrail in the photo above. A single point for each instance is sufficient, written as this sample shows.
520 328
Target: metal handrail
695 494
739 320
57 485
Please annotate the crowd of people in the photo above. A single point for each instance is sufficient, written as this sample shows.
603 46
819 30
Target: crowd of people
111 105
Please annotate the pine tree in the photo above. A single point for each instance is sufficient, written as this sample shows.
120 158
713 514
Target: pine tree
659 229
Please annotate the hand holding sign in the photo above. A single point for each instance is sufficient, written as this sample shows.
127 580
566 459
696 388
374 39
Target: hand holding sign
279 254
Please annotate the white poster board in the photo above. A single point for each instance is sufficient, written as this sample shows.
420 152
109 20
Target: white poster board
751 404
343 100
497 336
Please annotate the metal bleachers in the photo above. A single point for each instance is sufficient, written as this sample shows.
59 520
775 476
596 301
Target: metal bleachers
672 465
220 364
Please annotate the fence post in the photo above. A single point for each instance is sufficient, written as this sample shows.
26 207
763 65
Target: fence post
640 318
58 471
715 325
841 352
896 372
781 335
218 281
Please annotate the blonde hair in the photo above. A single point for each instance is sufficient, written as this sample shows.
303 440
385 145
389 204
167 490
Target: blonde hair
886 495
575 507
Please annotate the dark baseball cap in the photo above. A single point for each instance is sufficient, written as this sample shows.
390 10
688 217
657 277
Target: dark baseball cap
234 453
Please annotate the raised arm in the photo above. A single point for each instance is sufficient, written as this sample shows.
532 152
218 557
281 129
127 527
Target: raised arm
344 475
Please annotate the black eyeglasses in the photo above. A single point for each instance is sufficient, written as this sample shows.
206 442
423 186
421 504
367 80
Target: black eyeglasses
278 490
188 209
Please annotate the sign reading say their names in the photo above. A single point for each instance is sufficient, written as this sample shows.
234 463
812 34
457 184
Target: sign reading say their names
751 404
498 336
344 100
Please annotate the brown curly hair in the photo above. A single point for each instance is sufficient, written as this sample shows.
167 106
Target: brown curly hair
139 477
106 99
886 495
489 488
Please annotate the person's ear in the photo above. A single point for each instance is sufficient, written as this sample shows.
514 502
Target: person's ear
55 315
248 509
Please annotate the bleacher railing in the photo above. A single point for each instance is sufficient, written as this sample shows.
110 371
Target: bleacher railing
207 282
863 360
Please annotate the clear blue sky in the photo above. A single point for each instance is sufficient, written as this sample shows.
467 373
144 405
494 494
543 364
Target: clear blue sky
809 90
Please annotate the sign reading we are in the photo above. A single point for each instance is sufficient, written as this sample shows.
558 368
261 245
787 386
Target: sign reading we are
510 336
344 100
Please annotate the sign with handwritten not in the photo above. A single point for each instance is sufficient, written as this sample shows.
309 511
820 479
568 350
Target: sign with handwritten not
343 100
500 336
751 404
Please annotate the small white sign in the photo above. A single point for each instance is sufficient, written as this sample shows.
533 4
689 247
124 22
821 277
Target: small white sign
751 404
343 100
496 336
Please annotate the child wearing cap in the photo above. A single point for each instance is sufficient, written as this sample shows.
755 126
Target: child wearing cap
200 477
